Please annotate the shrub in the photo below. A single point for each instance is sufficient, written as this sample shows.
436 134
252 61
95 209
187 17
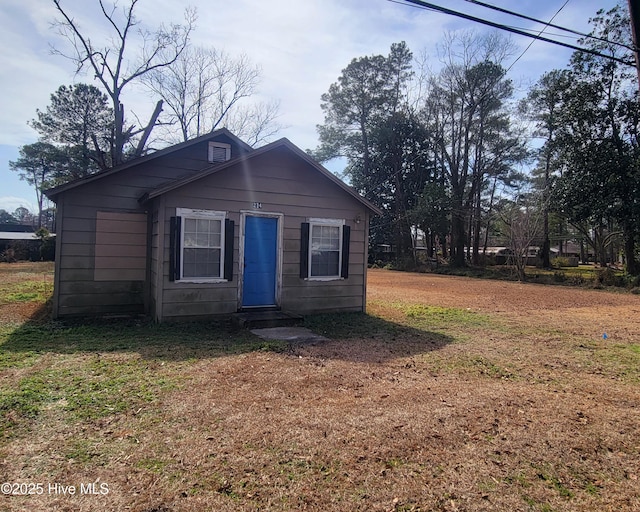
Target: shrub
577 280
560 261
559 277
605 276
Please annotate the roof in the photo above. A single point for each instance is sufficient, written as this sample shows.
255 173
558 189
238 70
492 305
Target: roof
13 235
281 143
55 191
16 228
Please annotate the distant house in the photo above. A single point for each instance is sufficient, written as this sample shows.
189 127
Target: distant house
210 227
20 242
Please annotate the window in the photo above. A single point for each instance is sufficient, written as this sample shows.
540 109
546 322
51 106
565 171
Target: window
219 152
202 246
324 250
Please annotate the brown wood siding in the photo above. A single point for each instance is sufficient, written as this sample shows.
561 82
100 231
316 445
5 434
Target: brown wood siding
84 278
153 264
282 184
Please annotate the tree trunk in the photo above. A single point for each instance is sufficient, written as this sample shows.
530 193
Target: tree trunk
457 236
632 266
147 130
118 144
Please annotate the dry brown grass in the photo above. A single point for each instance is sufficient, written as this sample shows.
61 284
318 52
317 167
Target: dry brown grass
503 397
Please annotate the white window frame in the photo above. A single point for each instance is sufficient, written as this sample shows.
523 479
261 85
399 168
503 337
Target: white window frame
222 145
331 223
190 213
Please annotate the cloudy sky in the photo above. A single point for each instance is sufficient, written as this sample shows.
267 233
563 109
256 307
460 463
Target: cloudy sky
301 46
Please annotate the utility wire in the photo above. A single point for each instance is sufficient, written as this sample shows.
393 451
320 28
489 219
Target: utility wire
547 24
539 34
426 5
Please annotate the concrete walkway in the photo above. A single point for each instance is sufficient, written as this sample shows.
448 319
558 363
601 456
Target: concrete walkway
290 334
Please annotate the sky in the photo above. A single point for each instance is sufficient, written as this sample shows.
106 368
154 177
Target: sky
301 47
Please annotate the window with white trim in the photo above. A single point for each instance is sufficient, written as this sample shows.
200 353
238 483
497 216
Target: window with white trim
219 152
200 243
324 249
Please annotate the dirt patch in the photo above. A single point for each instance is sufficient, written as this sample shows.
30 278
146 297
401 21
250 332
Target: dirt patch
489 295
17 284
570 309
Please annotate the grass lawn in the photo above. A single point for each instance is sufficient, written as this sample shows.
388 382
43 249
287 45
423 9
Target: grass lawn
451 394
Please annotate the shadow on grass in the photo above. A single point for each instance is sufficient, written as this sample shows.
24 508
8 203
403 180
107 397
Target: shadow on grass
379 339
170 341
361 337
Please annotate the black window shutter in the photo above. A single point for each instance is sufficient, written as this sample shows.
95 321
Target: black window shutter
175 226
304 250
228 249
346 238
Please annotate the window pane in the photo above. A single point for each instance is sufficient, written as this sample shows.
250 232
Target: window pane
190 240
324 263
201 263
215 230
215 226
202 225
202 239
189 225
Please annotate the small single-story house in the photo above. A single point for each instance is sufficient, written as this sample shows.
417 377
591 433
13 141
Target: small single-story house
210 227
20 242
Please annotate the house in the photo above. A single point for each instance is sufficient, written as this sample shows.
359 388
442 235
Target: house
20 242
210 227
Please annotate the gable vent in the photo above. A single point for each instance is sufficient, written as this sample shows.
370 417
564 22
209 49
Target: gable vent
219 152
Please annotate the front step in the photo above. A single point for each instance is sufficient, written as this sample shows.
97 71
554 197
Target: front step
263 319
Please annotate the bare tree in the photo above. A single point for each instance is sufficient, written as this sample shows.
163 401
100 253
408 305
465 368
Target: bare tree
523 224
204 89
113 65
256 123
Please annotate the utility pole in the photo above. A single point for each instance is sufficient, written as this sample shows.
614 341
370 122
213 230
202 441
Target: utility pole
634 14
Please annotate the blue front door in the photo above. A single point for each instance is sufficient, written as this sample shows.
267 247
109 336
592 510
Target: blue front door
260 261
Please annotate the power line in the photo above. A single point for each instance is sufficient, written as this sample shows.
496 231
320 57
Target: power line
547 24
539 34
426 5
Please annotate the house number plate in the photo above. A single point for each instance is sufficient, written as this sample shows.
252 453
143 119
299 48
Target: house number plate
257 206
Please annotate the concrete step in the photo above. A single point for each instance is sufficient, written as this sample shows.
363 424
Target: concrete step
260 319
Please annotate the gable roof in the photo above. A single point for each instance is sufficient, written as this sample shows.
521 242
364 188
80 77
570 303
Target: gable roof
281 143
55 191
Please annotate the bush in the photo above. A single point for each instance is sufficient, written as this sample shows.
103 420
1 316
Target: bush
577 280
609 277
8 256
559 277
564 261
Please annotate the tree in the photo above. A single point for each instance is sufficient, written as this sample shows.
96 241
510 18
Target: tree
465 111
204 89
401 163
522 222
544 105
23 215
6 217
369 121
350 107
368 89
39 164
79 119
600 183
114 67
431 214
